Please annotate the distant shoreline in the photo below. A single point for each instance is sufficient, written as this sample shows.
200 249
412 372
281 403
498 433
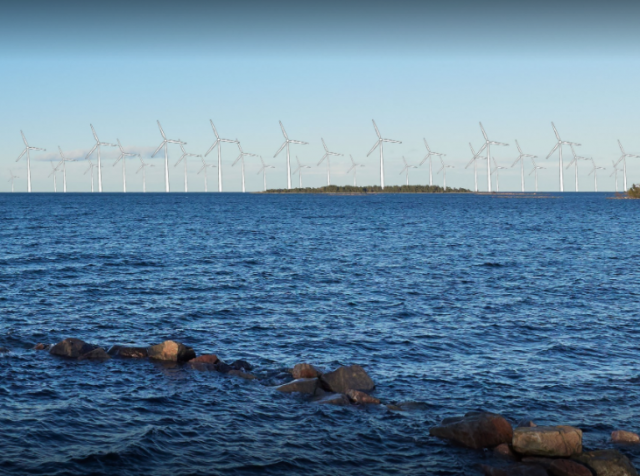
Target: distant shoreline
368 190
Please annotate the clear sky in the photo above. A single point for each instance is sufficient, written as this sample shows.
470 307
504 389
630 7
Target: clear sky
420 69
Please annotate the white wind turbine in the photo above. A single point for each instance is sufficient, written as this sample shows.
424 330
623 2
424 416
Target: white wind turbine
623 158
354 167
63 162
496 169
474 161
299 171
487 145
428 157
535 171
165 143
520 159
406 169
443 169
263 169
97 146
11 179
27 150
379 143
615 172
240 158
143 166
558 146
183 158
204 169
575 160
90 169
54 170
217 144
123 156
594 171
327 156
286 143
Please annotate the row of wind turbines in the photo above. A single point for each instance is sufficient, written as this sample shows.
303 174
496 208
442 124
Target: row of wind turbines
379 144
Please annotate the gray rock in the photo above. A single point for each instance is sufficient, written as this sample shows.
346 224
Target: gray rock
95 354
171 351
71 348
554 441
344 379
306 386
128 352
304 371
338 399
607 463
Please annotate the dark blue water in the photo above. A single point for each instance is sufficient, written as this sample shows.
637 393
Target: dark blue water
526 307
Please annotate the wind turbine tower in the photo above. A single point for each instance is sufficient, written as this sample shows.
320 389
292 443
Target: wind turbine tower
379 143
496 170
520 159
354 167
575 160
443 169
11 179
299 171
217 144
63 162
54 170
90 169
474 160
240 158
97 146
183 158
428 157
143 166
263 169
165 143
535 171
558 146
615 172
623 158
204 169
327 156
286 143
406 169
594 171
123 156
27 150
487 145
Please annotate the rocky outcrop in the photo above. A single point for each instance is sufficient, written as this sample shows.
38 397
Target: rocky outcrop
538 461
348 378
607 463
42 347
361 398
95 354
475 430
242 365
555 441
306 386
205 359
171 351
338 399
565 467
625 437
504 451
128 352
71 348
304 371
514 470
222 367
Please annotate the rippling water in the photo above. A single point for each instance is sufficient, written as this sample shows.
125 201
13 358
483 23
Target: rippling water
527 307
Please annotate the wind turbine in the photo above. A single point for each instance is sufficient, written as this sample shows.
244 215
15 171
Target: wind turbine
379 143
165 143
327 156
496 169
615 172
182 158
27 150
406 169
204 169
12 177
623 158
54 169
97 146
354 167
90 169
143 165
428 156
594 171
575 160
535 171
443 169
63 162
241 159
217 143
299 171
123 156
263 169
520 159
474 160
286 143
487 145
558 146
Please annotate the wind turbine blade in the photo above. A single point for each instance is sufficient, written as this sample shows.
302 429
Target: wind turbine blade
374 146
95 136
553 150
164 143
425 144
298 142
481 149
20 156
236 161
280 149
24 139
376 128
214 129
621 148
322 159
518 146
324 145
91 151
483 132
517 160
213 146
393 141
555 131
161 131
284 133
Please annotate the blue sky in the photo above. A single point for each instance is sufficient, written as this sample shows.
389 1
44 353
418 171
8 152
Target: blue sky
324 69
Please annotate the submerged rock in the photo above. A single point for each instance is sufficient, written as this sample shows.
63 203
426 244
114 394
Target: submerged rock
566 467
348 378
362 398
304 371
171 351
514 470
128 352
302 385
71 348
242 365
95 354
222 367
338 399
475 430
558 441
42 347
241 374
628 437
205 359
607 463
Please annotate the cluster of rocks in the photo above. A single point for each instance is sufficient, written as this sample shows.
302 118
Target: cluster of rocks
531 450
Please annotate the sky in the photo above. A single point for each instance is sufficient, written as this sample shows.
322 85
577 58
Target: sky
420 69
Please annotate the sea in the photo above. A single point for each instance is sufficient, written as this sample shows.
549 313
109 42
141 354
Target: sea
527 306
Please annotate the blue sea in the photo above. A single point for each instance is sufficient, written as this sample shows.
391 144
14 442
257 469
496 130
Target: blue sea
528 307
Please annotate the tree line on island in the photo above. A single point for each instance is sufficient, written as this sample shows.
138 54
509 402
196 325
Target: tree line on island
347 189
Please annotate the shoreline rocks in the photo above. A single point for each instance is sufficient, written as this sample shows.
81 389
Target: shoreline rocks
625 437
361 398
72 348
558 441
475 430
304 371
205 359
307 386
348 378
607 463
95 354
128 352
171 351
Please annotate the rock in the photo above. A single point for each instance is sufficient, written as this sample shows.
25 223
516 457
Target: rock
95 354
241 374
71 348
539 461
504 451
395 408
566 467
128 352
42 347
475 430
301 385
304 371
607 463
205 359
526 423
559 441
171 351
242 365
514 470
347 378
222 367
621 436
362 398
338 399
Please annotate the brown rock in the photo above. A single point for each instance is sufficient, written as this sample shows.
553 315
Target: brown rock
335 399
171 351
301 385
347 378
514 470
71 348
242 365
362 398
42 347
95 354
566 467
526 423
475 430
304 371
625 437
504 451
539 461
128 352
241 374
223 368
607 463
205 359
558 441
